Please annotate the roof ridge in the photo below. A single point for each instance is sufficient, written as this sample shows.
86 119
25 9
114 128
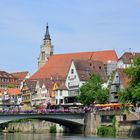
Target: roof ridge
83 52
20 72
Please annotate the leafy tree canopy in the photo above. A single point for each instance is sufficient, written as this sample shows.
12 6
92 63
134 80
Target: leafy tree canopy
92 91
133 72
132 92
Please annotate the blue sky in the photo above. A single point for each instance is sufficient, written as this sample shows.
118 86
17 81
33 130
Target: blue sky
74 25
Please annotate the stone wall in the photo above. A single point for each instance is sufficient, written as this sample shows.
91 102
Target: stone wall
92 122
36 126
127 129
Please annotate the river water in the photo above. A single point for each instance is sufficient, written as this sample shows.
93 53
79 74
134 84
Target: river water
23 136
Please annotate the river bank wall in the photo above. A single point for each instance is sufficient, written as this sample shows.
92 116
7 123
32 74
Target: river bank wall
32 126
127 128
92 123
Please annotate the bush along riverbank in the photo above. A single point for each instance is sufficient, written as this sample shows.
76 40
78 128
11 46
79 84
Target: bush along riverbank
31 126
107 130
53 129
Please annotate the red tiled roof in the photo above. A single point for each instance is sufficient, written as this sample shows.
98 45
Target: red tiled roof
59 64
62 87
128 56
85 68
13 91
31 84
4 74
123 77
49 85
20 75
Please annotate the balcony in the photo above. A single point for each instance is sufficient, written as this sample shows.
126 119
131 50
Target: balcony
26 101
26 94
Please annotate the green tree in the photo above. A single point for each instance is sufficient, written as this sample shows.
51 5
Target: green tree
125 96
132 93
92 91
133 72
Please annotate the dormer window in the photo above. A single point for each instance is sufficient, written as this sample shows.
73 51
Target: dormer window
72 71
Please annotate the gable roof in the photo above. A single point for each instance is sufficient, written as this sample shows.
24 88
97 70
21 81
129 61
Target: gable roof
20 75
13 91
128 56
85 68
123 77
5 74
50 85
62 87
59 64
31 84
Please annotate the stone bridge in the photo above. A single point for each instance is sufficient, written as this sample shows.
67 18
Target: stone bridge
76 122
73 121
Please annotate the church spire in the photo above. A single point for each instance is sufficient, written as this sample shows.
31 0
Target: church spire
47 35
46 49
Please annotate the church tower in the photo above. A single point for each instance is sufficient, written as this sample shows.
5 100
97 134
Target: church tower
46 49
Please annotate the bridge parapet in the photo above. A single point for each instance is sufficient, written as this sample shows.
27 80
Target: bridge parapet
108 112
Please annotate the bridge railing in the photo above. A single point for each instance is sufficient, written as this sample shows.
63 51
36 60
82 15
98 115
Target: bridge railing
60 110
45 111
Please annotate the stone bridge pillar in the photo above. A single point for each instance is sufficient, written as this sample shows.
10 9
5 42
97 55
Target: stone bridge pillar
92 122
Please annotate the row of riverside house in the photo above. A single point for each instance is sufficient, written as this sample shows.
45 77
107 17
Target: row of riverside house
62 86
59 80
10 87
59 76
120 79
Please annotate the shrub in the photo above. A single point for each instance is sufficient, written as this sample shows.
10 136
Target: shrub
53 129
106 131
